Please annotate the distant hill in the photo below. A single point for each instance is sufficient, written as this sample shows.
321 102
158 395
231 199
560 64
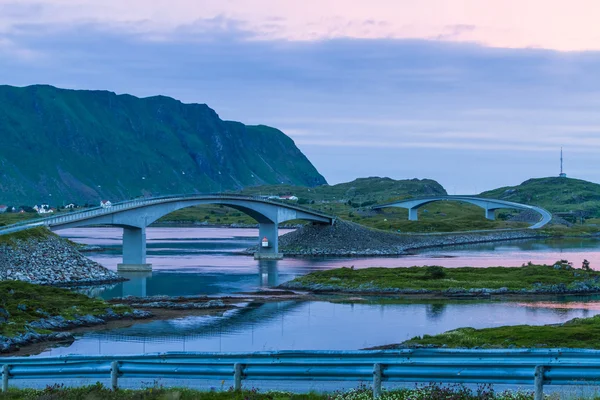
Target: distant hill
372 189
83 146
554 194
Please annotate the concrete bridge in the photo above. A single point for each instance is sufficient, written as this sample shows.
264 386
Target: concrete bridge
489 205
134 216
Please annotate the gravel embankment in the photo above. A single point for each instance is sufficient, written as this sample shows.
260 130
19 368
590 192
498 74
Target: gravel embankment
350 239
50 260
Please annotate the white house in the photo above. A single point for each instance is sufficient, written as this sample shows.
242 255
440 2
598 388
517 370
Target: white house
70 206
289 198
3 208
105 204
43 209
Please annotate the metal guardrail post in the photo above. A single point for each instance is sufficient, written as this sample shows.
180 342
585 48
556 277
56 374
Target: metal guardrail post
538 383
377 380
114 375
5 374
238 369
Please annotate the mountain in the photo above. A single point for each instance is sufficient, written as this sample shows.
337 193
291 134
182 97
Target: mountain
554 194
83 146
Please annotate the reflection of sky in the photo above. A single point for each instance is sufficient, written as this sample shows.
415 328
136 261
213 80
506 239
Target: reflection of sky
200 261
191 261
312 326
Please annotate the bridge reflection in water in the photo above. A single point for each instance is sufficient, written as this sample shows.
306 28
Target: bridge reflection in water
137 282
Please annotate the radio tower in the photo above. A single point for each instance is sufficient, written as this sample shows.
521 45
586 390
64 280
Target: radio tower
562 174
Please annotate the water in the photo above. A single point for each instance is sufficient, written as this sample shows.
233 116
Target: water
190 261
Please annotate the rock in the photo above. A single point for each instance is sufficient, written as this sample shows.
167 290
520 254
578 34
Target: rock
22 307
349 239
50 260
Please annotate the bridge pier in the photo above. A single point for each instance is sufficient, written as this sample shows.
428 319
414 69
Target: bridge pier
134 250
413 214
490 214
270 231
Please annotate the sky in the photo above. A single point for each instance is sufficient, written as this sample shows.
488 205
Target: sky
474 94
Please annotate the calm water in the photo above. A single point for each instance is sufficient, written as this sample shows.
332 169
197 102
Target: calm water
203 261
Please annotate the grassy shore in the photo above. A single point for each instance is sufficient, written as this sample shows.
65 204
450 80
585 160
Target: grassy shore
535 278
33 233
576 333
23 303
425 392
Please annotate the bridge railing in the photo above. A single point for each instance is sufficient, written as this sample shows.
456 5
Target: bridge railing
537 367
130 204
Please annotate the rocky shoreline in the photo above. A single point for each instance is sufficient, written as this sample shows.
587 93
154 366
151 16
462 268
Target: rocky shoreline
174 303
60 327
48 259
591 287
350 239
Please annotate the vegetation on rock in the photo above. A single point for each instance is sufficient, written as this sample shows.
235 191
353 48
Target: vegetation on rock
559 278
23 303
554 194
576 333
12 239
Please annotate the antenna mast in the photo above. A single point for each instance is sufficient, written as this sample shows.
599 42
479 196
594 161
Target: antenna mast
562 174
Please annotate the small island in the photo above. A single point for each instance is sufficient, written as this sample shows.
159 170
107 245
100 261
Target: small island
33 313
530 279
576 333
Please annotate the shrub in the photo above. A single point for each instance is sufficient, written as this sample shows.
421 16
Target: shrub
434 272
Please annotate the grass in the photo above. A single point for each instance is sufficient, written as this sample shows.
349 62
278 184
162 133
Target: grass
168 152
423 392
554 194
439 279
13 218
435 217
576 333
99 392
26 303
33 233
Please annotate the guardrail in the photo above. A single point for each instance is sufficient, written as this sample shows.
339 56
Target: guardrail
136 203
537 367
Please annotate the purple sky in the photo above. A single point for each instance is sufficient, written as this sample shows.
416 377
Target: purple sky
475 94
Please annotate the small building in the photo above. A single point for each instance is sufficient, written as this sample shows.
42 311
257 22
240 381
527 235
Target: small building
70 206
289 198
43 209
105 204
3 208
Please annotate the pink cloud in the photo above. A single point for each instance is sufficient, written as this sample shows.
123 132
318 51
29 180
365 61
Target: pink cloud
551 24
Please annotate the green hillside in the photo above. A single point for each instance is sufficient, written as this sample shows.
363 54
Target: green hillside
359 191
83 146
554 194
352 201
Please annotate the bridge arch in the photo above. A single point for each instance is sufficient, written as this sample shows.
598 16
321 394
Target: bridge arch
134 216
489 205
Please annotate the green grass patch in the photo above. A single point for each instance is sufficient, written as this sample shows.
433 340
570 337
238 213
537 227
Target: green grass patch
13 218
26 303
434 278
576 333
554 194
33 233
423 392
